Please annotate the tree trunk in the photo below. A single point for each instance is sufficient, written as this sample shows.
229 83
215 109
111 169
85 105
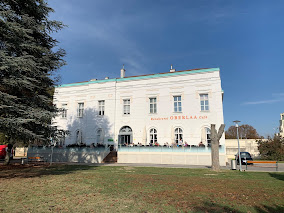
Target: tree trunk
7 157
215 138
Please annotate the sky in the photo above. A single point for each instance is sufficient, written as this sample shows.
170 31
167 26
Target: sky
243 38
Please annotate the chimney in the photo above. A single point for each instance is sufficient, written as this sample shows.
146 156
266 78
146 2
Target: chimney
172 70
122 72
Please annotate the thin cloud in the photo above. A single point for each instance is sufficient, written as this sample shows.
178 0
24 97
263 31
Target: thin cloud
278 94
279 98
133 66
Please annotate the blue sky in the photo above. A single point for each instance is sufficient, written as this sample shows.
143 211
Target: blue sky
243 38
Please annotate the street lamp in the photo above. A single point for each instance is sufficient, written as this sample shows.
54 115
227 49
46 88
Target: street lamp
240 159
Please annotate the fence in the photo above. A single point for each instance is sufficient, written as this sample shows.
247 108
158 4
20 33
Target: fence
74 154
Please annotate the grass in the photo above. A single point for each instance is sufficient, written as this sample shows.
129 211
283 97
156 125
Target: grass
63 188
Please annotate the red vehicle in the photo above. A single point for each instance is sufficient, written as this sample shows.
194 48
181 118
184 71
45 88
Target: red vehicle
3 151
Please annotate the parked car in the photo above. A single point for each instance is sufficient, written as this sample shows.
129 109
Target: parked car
245 156
3 152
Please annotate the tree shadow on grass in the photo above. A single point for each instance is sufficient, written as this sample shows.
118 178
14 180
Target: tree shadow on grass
277 176
270 209
39 170
213 207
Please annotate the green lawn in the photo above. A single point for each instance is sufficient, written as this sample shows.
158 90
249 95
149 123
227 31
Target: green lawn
63 188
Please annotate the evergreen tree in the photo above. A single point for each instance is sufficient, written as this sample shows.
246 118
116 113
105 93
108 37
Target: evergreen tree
28 65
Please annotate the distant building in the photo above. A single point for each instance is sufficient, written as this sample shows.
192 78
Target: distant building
246 145
281 126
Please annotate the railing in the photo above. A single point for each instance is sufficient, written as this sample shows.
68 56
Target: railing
193 149
70 154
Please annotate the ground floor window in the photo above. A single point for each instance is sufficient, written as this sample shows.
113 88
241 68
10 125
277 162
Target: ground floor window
153 136
125 136
178 135
100 136
208 136
78 137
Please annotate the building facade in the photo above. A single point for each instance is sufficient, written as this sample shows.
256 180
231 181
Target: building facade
166 108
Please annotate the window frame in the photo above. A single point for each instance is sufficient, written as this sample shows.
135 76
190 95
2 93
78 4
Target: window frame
100 136
80 110
203 98
64 110
208 136
79 137
101 107
153 135
126 106
177 103
153 105
178 134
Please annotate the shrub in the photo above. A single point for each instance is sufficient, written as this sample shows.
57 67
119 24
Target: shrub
272 149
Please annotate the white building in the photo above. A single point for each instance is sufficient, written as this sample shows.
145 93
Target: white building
162 108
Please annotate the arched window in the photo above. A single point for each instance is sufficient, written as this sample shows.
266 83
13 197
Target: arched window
100 136
178 135
125 136
61 141
153 136
208 136
78 137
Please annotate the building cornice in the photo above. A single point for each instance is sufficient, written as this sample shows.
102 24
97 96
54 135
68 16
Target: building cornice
143 77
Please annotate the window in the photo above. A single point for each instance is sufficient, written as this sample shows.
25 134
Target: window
208 136
101 107
153 105
178 135
61 141
177 103
64 110
153 136
126 106
204 102
100 137
80 111
78 137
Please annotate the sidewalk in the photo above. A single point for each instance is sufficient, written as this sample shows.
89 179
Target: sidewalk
250 168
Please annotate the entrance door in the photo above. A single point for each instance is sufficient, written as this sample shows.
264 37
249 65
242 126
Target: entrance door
124 139
125 135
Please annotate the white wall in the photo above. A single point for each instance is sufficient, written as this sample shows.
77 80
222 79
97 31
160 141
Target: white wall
169 158
246 145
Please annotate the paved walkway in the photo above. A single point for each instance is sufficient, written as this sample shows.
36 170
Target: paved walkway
254 168
250 168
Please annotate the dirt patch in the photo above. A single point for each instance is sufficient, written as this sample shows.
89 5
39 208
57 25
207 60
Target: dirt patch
19 166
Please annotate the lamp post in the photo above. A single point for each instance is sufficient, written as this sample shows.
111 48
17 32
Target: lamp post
239 153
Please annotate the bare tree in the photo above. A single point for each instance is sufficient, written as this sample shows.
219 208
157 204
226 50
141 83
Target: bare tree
245 132
215 138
